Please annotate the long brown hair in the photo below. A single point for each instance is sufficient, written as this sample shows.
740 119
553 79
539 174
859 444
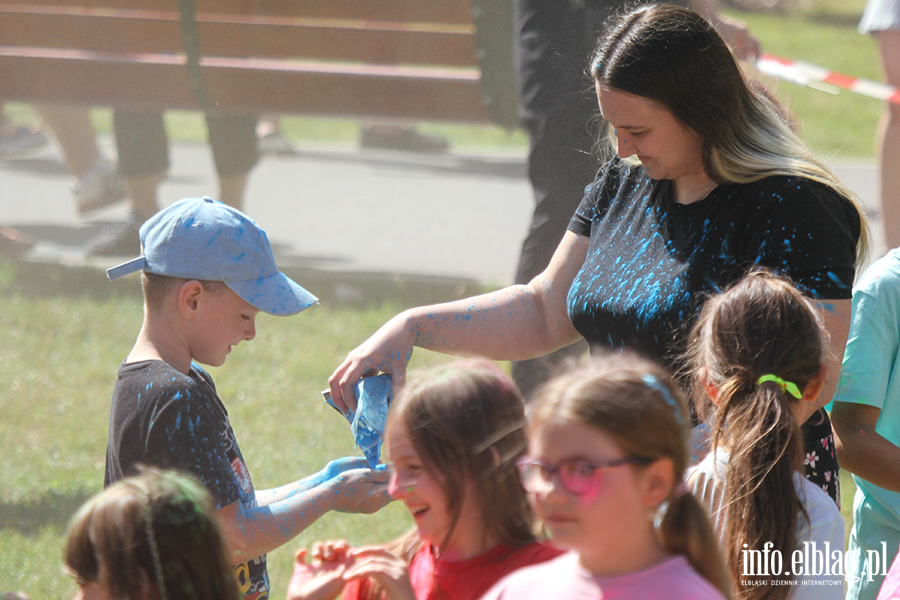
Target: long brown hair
760 326
634 402
674 56
466 422
156 536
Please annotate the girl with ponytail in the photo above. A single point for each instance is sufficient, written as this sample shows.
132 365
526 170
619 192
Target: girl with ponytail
757 357
607 448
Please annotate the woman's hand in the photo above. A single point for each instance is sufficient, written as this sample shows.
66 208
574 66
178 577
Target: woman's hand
514 323
388 570
388 350
322 579
738 37
734 32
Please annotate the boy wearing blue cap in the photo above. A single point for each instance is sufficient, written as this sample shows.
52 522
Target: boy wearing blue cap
208 269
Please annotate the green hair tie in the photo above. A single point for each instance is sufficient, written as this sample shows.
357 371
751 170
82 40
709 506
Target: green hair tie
786 386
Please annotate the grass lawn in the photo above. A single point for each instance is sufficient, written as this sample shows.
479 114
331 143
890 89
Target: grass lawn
57 368
835 126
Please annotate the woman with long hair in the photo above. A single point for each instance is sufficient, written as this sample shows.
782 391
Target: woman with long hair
709 181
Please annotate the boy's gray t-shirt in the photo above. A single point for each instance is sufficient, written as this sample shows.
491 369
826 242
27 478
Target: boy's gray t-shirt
163 418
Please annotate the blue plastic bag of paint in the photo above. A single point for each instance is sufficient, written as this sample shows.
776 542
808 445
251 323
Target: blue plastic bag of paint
373 397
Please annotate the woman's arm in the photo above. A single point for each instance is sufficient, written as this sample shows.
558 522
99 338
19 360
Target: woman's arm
517 322
836 316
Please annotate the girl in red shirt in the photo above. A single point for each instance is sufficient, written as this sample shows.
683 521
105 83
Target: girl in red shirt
453 437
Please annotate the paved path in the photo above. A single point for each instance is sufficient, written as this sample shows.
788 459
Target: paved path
335 209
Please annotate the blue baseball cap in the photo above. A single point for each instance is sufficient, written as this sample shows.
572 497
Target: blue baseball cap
200 238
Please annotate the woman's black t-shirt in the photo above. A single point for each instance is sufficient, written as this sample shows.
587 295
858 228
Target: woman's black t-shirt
652 263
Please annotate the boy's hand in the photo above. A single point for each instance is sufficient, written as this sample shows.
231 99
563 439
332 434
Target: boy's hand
360 491
335 468
347 463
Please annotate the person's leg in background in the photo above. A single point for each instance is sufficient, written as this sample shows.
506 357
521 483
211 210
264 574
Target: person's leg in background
18 139
559 113
889 141
14 140
96 179
270 138
234 146
143 149
74 132
144 161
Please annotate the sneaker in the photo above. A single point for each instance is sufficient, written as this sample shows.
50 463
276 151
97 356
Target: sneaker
14 243
121 240
16 139
401 138
99 187
274 143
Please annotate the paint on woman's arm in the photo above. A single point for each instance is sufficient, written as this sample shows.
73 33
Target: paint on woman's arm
826 306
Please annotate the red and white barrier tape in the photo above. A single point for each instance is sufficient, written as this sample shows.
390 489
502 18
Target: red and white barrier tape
804 73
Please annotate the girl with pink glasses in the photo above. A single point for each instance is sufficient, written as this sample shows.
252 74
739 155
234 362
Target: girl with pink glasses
606 454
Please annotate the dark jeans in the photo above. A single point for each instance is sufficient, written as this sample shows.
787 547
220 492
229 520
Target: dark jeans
143 146
559 113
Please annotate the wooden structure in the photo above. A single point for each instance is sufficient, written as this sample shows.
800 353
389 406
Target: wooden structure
396 59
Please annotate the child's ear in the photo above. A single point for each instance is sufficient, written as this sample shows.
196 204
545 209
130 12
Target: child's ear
189 295
711 390
657 481
815 385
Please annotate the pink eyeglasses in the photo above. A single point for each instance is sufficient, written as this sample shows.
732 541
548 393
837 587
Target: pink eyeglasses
578 477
